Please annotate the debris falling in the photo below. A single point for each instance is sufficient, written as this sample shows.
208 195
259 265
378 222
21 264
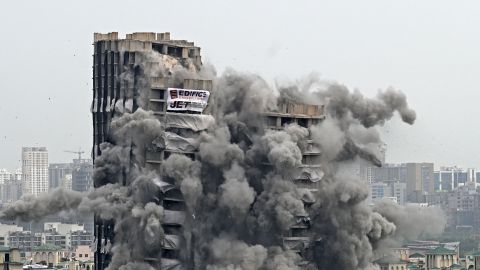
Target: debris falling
240 198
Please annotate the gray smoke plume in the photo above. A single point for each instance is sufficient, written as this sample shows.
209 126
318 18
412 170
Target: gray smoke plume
341 103
412 222
240 195
235 193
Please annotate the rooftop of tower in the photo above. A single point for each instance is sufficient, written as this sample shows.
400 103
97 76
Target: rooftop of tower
163 38
147 41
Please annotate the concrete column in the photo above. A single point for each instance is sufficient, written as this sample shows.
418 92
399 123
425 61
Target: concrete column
184 52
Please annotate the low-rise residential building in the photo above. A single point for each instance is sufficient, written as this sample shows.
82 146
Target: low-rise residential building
83 253
79 238
417 258
391 263
49 255
402 253
440 258
10 258
456 267
462 206
62 228
472 260
5 230
78 265
24 240
54 239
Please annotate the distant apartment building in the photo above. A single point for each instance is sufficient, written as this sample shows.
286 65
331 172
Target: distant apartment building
79 238
76 176
420 182
82 175
393 191
4 175
409 181
57 173
24 240
388 172
73 235
379 191
67 182
462 206
62 228
10 185
388 181
449 178
54 239
399 191
34 170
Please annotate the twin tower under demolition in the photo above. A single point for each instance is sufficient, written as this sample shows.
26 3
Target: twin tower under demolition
152 72
195 170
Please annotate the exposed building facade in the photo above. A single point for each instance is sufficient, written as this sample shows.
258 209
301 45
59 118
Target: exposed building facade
307 175
34 170
114 59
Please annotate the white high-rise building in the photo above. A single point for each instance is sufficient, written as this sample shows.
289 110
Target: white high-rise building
34 170
5 175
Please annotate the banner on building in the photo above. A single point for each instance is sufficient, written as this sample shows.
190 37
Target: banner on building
187 99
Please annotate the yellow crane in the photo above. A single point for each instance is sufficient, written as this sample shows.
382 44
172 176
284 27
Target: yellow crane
79 153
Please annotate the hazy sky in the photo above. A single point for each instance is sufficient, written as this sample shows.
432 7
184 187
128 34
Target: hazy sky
429 49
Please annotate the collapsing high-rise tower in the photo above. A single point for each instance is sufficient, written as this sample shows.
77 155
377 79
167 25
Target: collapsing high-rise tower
127 76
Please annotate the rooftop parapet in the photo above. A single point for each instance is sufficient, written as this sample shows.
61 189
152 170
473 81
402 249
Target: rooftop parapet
142 36
163 38
300 108
198 84
109 36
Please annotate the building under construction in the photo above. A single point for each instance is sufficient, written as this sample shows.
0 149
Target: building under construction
123 81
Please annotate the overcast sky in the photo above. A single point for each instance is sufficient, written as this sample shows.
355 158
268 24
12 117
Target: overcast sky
429 49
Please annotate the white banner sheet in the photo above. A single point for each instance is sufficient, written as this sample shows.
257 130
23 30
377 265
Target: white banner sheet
187 99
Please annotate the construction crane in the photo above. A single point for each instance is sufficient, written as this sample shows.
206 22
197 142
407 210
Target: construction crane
79 153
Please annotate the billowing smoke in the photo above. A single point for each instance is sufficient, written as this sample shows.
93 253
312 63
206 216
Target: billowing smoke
243 206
